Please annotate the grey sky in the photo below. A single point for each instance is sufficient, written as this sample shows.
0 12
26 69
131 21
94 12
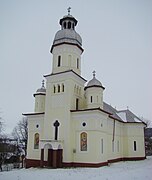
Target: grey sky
117 39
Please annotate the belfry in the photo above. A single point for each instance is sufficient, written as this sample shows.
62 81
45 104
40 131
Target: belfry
71 125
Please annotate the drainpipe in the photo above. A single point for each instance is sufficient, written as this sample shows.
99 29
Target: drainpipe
113 138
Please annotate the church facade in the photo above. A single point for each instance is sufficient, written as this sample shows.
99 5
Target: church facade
71 125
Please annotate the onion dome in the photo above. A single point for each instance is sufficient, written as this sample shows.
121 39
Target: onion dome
67 34
41 91
94 83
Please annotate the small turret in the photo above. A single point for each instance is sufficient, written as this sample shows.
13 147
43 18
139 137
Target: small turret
94 93
40 99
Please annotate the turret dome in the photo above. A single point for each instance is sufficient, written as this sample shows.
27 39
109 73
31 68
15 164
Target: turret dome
94 82
67 34
41 90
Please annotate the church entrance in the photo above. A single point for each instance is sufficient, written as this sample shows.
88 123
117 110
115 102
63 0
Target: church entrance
51 158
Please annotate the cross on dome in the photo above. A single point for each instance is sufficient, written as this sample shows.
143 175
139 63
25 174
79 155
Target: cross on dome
43 83
69 8
94 73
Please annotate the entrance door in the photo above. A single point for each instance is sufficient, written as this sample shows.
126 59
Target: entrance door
59 158
50 157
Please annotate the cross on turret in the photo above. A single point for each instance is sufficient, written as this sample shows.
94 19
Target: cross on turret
43 83
94 73
69 8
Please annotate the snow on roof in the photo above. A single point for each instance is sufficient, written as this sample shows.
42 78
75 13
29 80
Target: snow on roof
123 115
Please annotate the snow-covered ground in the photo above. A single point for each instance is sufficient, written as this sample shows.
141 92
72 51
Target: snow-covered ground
132 170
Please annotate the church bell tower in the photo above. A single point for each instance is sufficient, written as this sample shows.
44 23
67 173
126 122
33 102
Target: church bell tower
67 47
64 85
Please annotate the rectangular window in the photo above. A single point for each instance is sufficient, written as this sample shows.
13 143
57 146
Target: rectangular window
101 146
135 146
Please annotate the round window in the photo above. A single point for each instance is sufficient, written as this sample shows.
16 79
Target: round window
83 124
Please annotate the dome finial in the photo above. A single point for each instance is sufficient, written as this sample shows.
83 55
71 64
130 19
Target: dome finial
43 83
69 8
94 74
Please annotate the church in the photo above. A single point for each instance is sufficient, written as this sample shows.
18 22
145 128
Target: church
71 125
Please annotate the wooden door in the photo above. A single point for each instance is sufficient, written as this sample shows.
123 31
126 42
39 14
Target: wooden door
50 157
59 158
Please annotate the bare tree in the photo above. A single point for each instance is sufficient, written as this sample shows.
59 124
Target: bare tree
1 125
20 132
147 121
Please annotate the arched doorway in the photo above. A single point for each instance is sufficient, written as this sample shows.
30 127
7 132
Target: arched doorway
49 155
53 158
59 156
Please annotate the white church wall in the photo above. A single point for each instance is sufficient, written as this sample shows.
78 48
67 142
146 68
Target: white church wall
66 63
58 106
39 103
95 127
94 97
35 125
135 134
95 153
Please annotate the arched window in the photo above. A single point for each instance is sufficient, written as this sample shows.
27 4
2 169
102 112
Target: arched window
59 61
91 99
69 60
54 89
97 99
101 146
75 88
58 88
62 87
73 25
83 141
80 91
77 103
77 63
36 141
135 146
64 25
69 25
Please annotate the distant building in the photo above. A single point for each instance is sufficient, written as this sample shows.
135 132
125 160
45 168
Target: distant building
71 125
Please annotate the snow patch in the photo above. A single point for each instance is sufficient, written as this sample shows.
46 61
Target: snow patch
128 170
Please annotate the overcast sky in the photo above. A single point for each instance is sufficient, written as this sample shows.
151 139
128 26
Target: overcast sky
117 42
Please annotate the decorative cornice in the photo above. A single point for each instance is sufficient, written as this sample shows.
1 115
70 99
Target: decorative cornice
52 74
110 115
91 109
34 113
35 94
73 44
94 86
